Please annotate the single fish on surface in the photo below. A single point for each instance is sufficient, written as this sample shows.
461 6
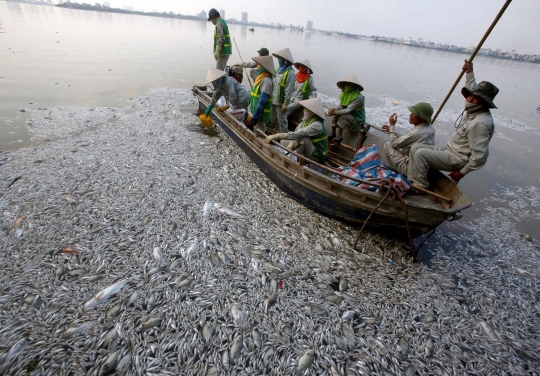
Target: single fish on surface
17 347
110 363
236 347
269 302
343 284
18 222
305 362
70 198
110 337
348 315
207 332
112 312
151 303
152 322
429 348
229 212
123 364
105 294
192 249
176 263
404 348
257 338
157 255
207 208
489 332
237 315
71 331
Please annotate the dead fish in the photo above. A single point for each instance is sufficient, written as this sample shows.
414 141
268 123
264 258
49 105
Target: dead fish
175 264
305 362
269 302
404 347
430 317
489 332
133 298
152 322
18 222
372 320
236 347
237 315
110 363
70 198
192 249
257 338
151 303
110 337
207 208
163 207
71 250
76 272
17 347
123 364
225 359
105 294
214 259
227 211
71 331
348 315
112 312
343 284
157 255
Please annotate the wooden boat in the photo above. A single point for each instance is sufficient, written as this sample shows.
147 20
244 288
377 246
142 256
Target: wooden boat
333 198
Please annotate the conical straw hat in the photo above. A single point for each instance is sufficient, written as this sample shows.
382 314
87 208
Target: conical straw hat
305 63
350 79
314 105
213 74
285 53
267 63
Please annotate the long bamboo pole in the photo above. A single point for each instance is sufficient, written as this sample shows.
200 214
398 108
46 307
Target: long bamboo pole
506 4
247 74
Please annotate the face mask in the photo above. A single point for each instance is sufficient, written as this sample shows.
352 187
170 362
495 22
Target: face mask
471 107
349 88
281 61
303 70
307 114
216 84
260 69
214 22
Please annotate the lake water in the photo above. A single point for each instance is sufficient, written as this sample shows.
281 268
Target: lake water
53 56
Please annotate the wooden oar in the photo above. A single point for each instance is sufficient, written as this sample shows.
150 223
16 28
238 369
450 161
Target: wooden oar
472 57
247 74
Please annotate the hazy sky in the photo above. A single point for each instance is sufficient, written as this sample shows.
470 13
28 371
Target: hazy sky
459 22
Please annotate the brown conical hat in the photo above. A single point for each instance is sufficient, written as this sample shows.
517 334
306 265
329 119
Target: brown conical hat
266 62
314 105
305 63
213 74
285 53
350 79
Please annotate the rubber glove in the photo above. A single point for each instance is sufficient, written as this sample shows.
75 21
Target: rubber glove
277 136
292 145
216 53
208 109
456 176
223 108
284 107
251 121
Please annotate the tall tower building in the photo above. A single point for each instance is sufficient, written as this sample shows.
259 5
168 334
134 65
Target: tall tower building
222 13
244 17
309 25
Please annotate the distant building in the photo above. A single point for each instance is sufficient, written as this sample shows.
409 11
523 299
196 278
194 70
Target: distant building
107 4
470 49
309 25
420 40
222 13
244 17
485 51
202 15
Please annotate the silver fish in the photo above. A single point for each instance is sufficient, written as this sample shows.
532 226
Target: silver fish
229 212
175 264
343 284
71 331
207 208
257 338
236 347
430 348
489 332
305 362
238 315
110 363
157 255
123 364
105 294
152 322
270 301
151 303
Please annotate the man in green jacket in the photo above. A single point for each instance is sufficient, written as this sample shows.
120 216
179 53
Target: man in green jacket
284 80
222 39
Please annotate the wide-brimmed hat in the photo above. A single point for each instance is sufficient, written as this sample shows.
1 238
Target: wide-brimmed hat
350 80
304 63
285 53
264 51
212 75
212 12
266 62
485 91
314 105
423 110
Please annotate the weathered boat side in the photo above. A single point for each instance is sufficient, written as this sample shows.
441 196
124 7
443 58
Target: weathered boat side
329 196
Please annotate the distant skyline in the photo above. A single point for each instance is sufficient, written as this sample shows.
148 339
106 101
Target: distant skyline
458 22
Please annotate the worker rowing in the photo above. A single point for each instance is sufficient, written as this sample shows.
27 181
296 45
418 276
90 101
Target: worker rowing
310 138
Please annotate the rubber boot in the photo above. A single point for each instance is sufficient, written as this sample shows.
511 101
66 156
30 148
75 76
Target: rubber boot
333 135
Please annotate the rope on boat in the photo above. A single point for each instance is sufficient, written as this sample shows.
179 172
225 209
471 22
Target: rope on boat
388 183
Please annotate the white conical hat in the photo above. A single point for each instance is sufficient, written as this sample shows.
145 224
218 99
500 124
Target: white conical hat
314 105
350 79
267 63
285 53
213 74
305 63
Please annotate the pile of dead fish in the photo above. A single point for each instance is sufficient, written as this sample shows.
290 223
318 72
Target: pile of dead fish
147 247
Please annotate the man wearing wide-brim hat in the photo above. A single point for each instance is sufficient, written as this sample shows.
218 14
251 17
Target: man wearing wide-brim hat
222 39
284 80
351 112
309 138
251 64
234 92
304 87
468 149
260 97
398 147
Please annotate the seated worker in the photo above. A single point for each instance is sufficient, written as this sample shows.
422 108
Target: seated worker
237 73
468 149
235 93
260 97
251 64
284 80
304 87
310 138
398 147
351 112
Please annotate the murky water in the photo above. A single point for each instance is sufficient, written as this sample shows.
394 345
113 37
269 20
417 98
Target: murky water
60 57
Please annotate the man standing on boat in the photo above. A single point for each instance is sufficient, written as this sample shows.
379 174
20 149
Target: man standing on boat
260 97
251 64
310 138
398 147
283 89
235 93
222 39
351 112
304 87
468 149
